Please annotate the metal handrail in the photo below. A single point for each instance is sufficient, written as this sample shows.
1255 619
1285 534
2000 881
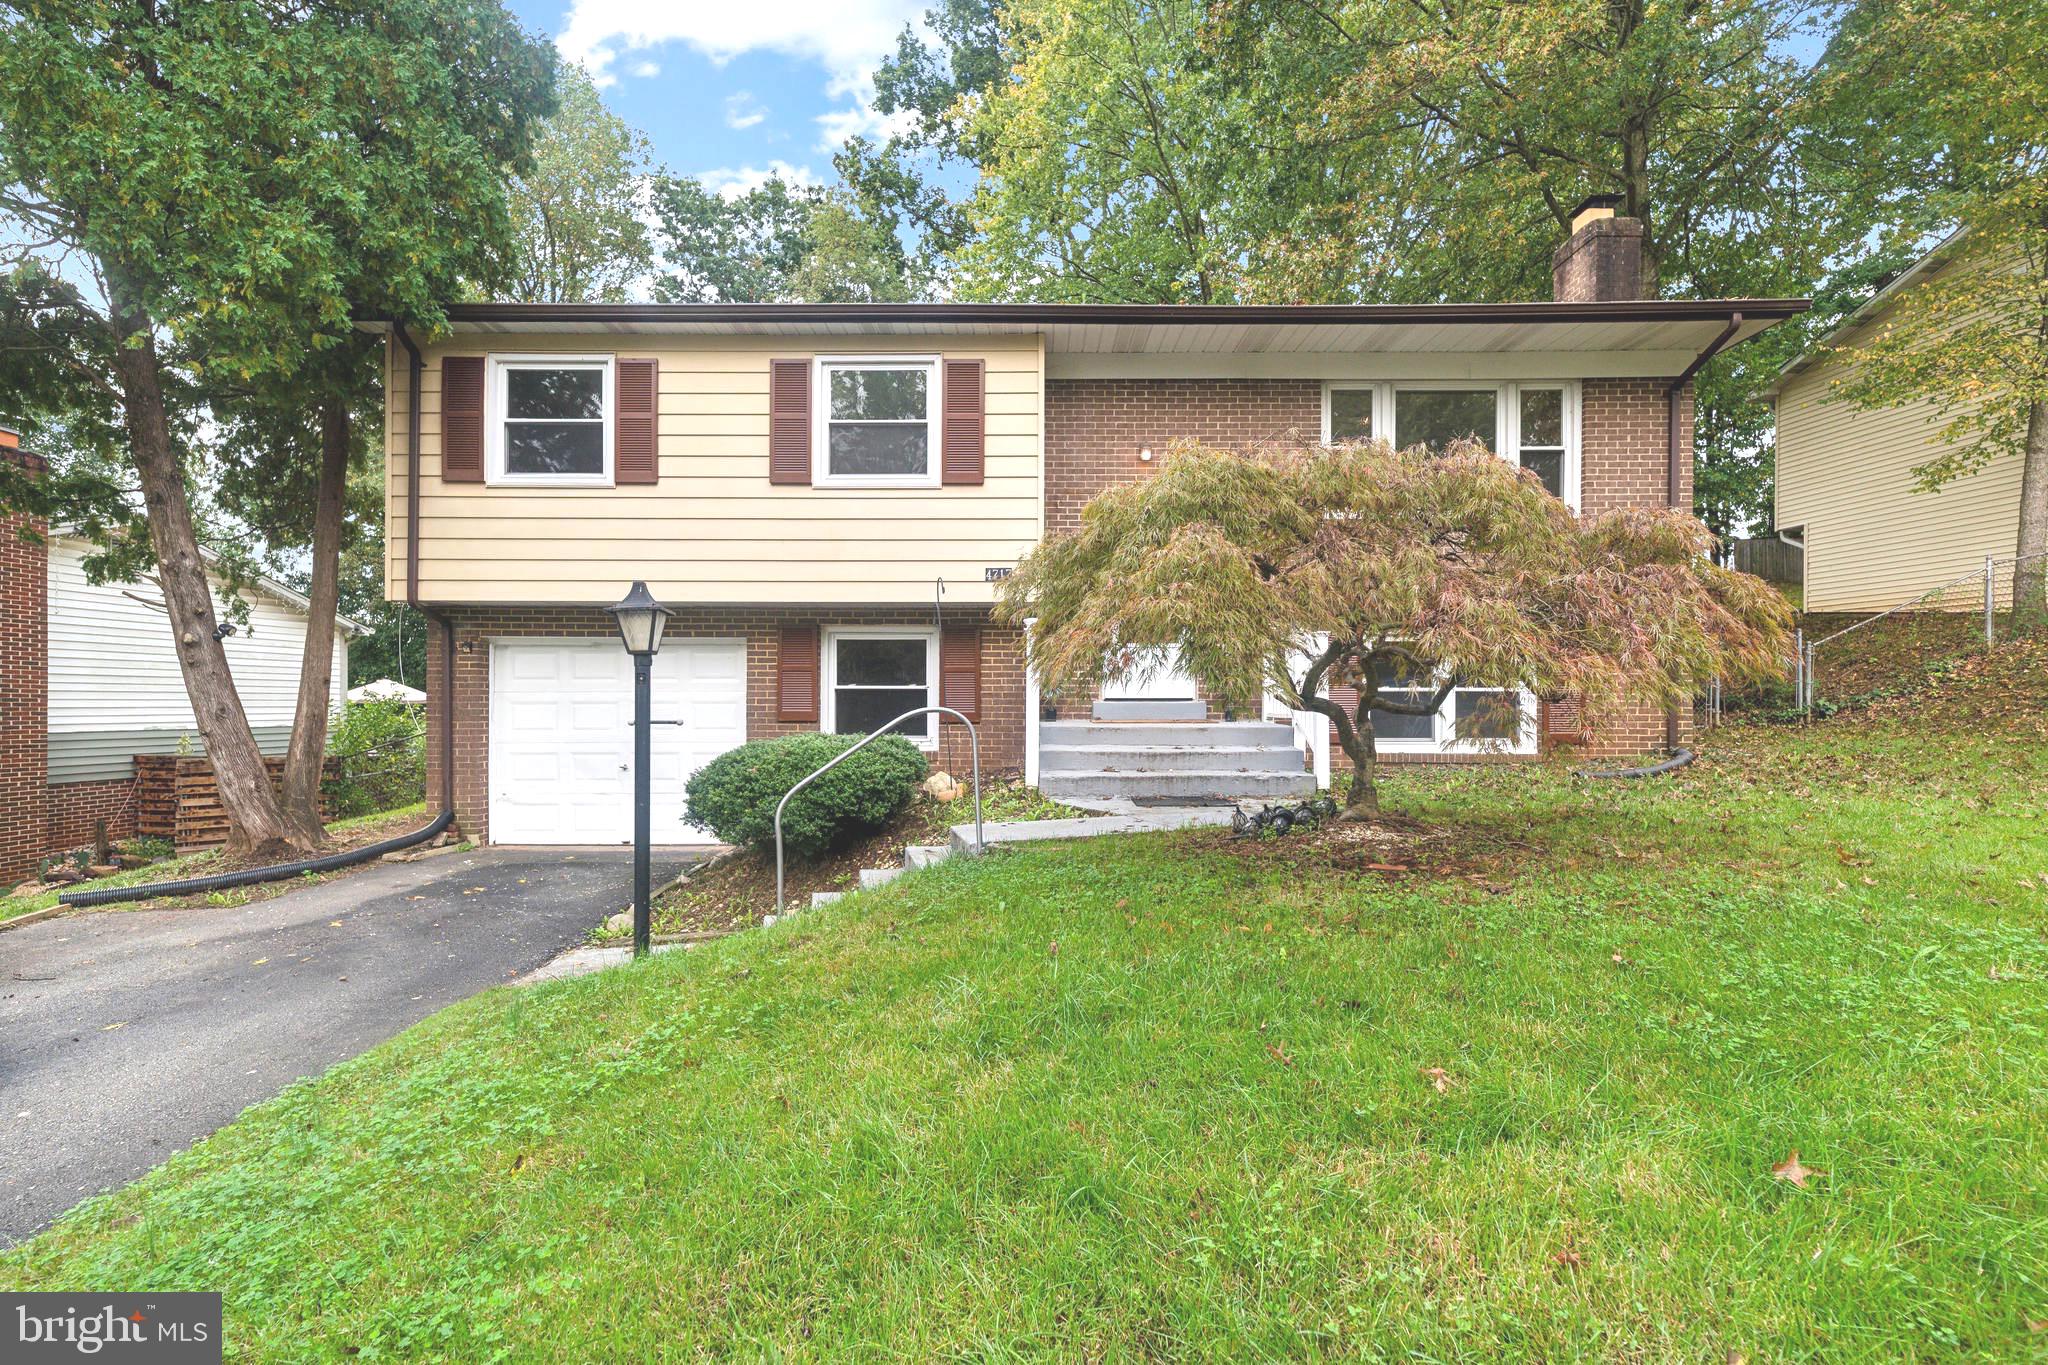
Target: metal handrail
974 745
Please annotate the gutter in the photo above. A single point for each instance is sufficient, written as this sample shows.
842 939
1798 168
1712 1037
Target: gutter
1674 472
416 368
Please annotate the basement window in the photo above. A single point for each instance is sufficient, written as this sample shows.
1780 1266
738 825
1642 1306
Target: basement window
872 677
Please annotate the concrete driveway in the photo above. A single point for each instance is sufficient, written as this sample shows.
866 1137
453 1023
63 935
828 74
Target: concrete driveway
126 1035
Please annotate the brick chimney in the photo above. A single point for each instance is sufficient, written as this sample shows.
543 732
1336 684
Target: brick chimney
1603 258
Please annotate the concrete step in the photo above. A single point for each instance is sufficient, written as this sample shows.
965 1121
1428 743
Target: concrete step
1231 785
1157 758
1180 734
1150 710
925 855
872 877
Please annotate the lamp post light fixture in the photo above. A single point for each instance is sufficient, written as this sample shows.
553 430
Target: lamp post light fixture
641 620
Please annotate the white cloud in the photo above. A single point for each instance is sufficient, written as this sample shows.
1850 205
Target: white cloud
837 125
645 70
742 112
730 182
849 38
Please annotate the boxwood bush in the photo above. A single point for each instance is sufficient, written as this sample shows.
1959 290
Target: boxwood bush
734 795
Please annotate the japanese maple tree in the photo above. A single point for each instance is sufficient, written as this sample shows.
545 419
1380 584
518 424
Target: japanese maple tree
1291 571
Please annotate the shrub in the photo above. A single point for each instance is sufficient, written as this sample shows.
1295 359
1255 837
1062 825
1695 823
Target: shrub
734 795
380 753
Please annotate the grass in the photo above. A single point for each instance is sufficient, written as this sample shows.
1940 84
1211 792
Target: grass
1172 1096
198 865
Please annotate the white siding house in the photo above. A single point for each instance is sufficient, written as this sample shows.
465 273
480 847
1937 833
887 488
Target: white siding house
115 689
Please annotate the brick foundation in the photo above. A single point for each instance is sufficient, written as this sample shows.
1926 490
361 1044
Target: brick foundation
1002 681
76 808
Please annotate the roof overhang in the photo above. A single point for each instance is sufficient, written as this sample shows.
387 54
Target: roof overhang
1663 328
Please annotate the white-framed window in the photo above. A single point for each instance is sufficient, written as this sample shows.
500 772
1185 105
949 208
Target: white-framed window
1471 719
548 420
875 674
877 422
1534 423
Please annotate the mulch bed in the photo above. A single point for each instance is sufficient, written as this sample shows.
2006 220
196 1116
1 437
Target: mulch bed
1390 847
341 841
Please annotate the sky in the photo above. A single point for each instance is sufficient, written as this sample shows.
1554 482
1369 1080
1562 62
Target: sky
733 90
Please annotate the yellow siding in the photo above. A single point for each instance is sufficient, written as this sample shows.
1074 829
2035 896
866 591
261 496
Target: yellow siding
1873 540
714 529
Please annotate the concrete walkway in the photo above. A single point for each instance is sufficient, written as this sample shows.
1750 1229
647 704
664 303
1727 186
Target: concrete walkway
126 1035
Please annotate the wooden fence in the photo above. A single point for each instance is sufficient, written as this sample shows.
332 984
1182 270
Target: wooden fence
1770 559
176 798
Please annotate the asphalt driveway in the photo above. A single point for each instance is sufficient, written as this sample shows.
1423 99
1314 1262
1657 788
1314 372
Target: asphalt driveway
126 1035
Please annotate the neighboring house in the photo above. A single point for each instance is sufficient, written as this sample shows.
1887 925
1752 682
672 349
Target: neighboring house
92 679
828 495
1845 491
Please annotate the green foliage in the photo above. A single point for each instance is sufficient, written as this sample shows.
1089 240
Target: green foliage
576 209
776 243
735 794
380 752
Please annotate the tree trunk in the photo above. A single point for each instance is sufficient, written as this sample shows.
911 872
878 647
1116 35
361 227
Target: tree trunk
256 822
2030 574
1358 745
302 763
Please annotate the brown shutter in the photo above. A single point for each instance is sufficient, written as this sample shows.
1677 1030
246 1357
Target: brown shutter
960 671
789 427
962 425
796 676
462 419
633 454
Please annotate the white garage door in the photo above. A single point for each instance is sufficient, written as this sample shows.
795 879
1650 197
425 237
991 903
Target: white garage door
561 760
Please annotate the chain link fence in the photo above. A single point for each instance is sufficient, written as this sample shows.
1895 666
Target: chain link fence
1838 660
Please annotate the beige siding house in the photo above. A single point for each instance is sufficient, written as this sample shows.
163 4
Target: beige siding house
828 496
1845 488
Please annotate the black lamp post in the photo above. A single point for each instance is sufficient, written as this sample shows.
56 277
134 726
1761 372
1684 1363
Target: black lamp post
641 620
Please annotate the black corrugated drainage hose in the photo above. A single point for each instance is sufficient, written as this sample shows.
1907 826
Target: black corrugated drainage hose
193 886
1679 758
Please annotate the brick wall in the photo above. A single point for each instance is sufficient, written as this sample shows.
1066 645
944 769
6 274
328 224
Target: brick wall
1094 428
24 694
1002 681
76 808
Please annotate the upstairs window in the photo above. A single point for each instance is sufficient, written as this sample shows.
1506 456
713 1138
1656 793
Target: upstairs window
878 424
1534 425
553 420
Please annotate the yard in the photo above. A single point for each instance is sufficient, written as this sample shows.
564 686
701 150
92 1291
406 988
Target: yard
1522 1081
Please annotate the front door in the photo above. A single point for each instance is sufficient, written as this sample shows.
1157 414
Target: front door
1151 675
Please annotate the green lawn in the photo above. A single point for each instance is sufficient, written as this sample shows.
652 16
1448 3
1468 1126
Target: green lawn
1158 1097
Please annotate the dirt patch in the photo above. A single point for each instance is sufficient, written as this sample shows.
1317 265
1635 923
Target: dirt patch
1392 847
736 893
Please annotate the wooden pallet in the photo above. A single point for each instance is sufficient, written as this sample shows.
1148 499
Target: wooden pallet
177 798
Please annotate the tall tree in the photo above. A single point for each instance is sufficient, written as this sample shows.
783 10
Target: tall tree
774 243
1940 112
228 175
577 208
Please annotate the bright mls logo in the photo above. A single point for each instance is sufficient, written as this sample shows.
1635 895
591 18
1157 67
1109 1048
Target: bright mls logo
167 1329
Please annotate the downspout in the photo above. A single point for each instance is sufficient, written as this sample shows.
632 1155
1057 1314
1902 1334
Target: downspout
416 369
1674 469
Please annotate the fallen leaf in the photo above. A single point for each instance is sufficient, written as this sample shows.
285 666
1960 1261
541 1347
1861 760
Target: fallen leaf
1789 1169
1387 867
1620 961
1053 948
1439 1078
1280 1055
111 1027
1568 1259
2037 1324
259 962
334 924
